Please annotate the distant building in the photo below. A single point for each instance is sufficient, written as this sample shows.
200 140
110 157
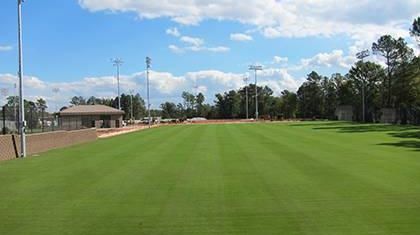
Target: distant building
90 116
344 113
389 115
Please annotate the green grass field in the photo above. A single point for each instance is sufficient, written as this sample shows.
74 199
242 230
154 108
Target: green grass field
302 178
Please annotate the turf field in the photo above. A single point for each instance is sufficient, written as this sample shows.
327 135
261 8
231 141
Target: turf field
302 178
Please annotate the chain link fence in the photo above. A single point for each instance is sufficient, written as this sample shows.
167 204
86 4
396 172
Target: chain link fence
37 121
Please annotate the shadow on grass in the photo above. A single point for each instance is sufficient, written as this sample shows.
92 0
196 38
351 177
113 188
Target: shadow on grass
406 135
319 123
397 131
359 128
412 144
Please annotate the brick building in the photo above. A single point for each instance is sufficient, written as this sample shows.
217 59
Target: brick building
90 116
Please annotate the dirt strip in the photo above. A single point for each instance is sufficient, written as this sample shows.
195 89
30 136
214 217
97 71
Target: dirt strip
107 133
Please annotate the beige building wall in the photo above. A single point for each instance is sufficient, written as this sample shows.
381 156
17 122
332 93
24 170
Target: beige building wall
75 122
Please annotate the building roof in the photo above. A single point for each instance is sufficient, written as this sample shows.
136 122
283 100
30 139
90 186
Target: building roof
90 110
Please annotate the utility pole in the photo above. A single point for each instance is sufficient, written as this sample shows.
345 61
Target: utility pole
256 68
361 56
55 90
132 109
195 103
246 79
117 62
148 66
22 123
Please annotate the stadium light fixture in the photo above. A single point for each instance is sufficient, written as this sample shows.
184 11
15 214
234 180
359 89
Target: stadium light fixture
256 68
117 62
246 79
132 109
148 67
56 90
361 56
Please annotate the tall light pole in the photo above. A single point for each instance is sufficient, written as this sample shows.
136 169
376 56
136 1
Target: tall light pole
246 79
132 109
22 124
56 90
117 62
148 66
256 68
361 56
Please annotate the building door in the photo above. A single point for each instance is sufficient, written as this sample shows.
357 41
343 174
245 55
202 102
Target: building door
106 121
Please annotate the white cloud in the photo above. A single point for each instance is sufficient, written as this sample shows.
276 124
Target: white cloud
201 89
271 32
176 49
279 80
240 37
6 48
9 80
164 85
280 60
218 49
286 18
196 42
173 32
227 80
335 58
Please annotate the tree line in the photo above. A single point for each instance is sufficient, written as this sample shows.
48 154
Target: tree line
35 111
132 105
368 87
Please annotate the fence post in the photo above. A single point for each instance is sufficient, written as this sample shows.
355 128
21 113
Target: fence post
31 121
42 120
4 120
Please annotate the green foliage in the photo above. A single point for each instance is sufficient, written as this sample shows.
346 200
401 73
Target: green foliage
78 100
169 110
130 104
367 77
395 52
415 30
310 97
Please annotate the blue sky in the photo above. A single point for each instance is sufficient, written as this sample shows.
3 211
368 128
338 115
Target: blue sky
203 44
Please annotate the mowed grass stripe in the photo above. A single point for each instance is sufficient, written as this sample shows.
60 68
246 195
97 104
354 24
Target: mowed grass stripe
85 183
349 187
255 204
300 191
312 178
